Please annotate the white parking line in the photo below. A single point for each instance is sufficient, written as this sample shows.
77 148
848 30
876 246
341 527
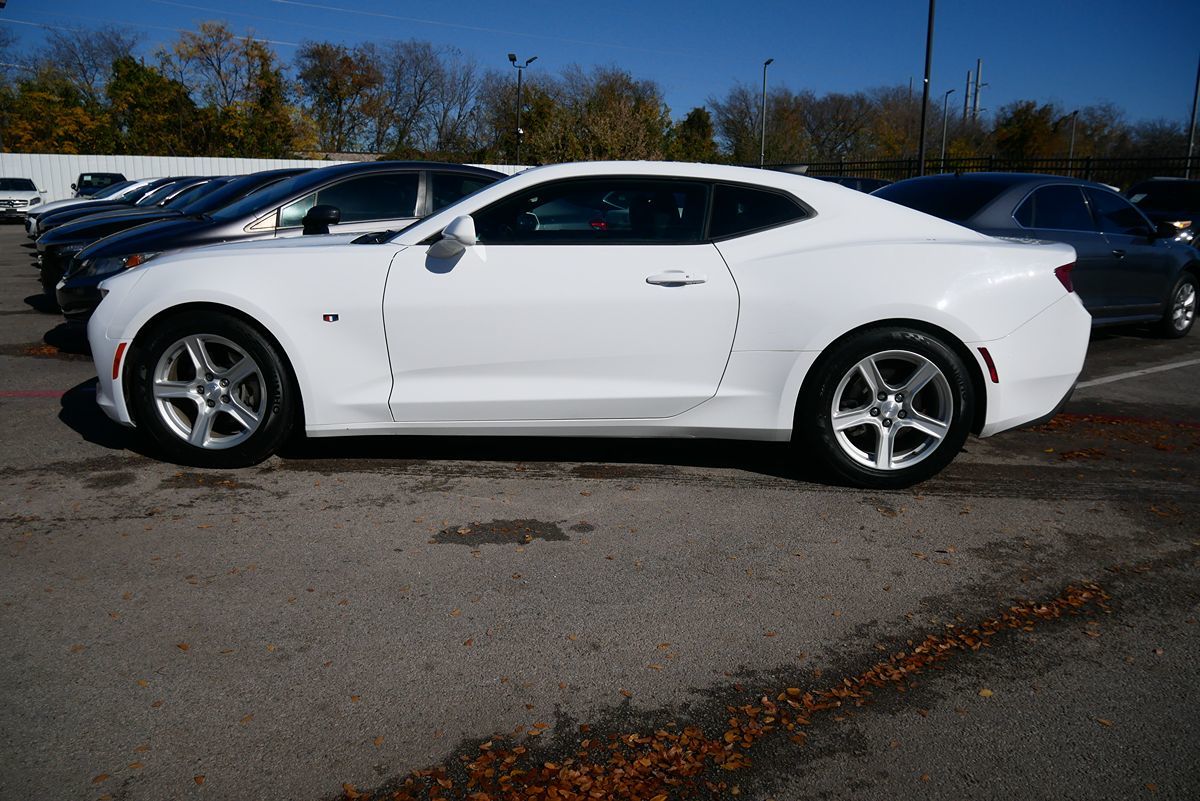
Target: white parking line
1108 379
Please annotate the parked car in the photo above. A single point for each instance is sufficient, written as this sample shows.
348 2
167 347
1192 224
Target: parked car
1170 200
52 260
69 239
364 196
153 193
716 302
1127 269
17 197
109 193
89 183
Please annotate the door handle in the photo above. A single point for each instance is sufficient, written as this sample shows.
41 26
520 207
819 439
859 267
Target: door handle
1120 254
675 278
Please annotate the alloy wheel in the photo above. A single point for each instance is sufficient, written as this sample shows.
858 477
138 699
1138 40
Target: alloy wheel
209 392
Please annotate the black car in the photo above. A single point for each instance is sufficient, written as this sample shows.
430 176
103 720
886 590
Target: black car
73 211
89 183
57 246
52 260
867 185
1170 200
360 197
1127 270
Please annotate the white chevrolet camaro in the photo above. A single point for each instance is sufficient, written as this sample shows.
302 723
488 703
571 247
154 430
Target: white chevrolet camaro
619 299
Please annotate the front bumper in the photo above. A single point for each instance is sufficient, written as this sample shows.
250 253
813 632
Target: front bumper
1038 365
110 371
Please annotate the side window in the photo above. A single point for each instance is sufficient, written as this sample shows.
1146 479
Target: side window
370 197
448 188
742 209
1115 215
597 211
1057 207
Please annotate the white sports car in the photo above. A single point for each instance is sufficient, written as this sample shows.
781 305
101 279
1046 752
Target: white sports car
613 299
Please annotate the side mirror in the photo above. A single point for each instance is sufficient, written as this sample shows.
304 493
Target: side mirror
1166 230
74 188
456 237
319 218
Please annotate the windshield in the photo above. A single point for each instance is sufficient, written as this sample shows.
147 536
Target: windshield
158 195
16 185
955 199
1166 195
263 199
110 191
229 192
194 193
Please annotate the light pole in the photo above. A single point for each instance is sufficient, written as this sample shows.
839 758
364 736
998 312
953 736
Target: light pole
1071 146
1187 167
945 102
512 57
925 92
762 147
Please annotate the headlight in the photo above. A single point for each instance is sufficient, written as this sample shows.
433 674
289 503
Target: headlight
35 201
114 264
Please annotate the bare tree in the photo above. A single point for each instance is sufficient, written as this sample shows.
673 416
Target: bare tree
337 84
85 57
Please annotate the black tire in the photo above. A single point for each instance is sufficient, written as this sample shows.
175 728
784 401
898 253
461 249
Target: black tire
814 430
49 279
273 392
1171 326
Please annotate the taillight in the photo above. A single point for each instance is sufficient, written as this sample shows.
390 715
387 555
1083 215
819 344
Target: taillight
1063 274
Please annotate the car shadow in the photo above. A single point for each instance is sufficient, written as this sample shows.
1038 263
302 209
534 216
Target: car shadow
69 337
596 457
79 412
40 302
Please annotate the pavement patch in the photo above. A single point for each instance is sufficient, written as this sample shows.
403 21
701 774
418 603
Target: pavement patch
500 532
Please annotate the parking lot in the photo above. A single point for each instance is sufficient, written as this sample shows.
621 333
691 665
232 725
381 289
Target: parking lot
332 620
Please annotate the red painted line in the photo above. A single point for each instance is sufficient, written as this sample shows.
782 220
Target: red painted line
32 393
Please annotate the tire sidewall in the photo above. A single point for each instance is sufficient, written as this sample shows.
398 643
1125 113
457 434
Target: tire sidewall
1166 326
279 409
814 420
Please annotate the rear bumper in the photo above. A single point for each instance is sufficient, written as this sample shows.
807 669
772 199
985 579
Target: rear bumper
1037 366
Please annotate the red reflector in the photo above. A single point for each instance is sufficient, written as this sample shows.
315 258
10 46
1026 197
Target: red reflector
599 225
117 360
1063 274
991 365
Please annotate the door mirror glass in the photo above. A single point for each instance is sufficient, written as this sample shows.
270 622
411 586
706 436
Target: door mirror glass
319 218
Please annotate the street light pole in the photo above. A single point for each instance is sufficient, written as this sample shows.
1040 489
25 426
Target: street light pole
925 92
1187 167
762 147
945 118
1071 146
512 57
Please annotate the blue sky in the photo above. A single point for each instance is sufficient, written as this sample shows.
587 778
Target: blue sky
1140 56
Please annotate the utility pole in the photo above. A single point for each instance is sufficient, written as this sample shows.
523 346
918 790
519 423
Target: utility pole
1187 167
925 92
945 118
1071 148
978 79
762 147
512 57
967 98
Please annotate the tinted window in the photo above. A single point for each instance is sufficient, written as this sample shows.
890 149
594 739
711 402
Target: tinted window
99 179
16 185
194 193
741 209
1166 195
115 189
600 211
448 188
956 199
158 195
1115 215
1058 207
372 197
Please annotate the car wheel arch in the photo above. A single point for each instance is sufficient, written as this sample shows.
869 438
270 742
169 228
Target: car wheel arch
960 348
217 308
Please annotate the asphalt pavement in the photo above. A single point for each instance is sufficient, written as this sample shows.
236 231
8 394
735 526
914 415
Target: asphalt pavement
330 621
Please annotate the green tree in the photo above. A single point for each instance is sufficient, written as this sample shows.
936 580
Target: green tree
336 85
693 138
1026 129
150 114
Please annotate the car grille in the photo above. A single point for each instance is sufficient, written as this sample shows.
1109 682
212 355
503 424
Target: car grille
12 204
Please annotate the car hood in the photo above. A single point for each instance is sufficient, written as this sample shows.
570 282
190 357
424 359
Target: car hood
55 205
94 226
19 195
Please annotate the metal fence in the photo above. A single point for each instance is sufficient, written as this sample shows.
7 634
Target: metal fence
1119 172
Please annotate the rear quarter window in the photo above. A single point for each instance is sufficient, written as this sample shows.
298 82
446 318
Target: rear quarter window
741 210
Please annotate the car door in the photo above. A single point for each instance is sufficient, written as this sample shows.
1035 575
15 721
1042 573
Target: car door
1142 265
583 299
372 202
1059 212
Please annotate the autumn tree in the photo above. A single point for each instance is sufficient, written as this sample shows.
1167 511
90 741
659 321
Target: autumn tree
337 84
693 138
148 112
85 57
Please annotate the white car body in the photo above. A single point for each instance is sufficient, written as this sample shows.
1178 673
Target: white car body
15 204
72 201
572 340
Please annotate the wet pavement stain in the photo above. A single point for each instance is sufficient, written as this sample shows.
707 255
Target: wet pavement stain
41 350
120 478
500 532
611 471
215 481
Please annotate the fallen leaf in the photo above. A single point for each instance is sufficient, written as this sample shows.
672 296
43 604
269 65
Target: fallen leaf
924 777
248 718
136 766
355 698
378 741
1152 787
626 693
985 693
198 778
455 612
182 646
103 777
143 683
1104 722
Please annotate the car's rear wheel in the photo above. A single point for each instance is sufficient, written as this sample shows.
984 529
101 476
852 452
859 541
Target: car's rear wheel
212 391
1180 315
887 409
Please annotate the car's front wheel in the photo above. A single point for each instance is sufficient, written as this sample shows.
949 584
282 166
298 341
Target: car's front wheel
212 391
887 409
1181 308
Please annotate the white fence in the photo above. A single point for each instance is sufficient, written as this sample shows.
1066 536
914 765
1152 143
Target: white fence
56 173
